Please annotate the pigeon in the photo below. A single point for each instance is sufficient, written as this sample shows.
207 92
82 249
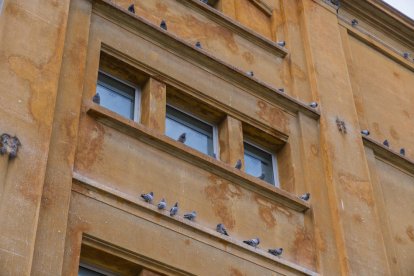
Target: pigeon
276 251
262 176
281 43
386 143
253 242
174 209
96 98
313 104
250 74
281 90
198 44
354 22
305 197
402 151
190 216
163 25
182 138
148 197
131 8
406 55
365 132
221 229
238 164
162 204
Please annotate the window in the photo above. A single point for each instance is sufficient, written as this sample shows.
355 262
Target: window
118 96
198 134
260 163
86 270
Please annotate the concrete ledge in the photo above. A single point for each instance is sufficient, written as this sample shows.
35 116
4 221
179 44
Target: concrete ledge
196 158
390 155
201 57
193 226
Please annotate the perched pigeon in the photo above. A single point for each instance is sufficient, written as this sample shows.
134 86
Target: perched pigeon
250 74
148 197
96 98
281 90
281 43
174 209
262 176
365 132
162 204
198 44
305 197
276 251
190 216
182 138
406 55
402 151
238 164
221 229
131 8
253 242
386 143
313 104
163 25
354 22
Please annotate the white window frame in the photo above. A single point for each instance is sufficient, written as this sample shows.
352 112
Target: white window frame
137 96
274 161
216 146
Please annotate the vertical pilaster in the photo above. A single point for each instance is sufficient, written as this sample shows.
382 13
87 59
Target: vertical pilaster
227 7
231 141
153 103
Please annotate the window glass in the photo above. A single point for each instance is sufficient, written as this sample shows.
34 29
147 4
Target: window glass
83 271
116 95
258 163
198 135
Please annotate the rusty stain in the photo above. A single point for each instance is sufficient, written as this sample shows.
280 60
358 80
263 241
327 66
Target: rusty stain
394 134
248 57
320 240
376 128
405 112
357 187
92 145
267 211
235 272
303 247
162 8
410 232
221 194
187 242
271 114
314 150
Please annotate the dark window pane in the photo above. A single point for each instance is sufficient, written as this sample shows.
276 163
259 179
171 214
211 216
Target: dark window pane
116 96
199 135
88 272
258 163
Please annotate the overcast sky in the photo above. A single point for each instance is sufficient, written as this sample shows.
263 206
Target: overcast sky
405 6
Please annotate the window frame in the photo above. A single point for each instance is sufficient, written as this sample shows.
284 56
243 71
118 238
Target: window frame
274 161
137 95
216 147
96 269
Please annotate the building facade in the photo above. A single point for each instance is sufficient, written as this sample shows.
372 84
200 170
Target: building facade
230 108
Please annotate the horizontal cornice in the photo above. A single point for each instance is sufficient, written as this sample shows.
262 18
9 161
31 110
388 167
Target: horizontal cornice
384 18
201 57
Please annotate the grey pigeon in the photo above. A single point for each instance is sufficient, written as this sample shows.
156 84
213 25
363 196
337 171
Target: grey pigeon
182 138
262 176
402 151
386 143
162 204
313 104
276 251
174 209
365 132
163 25
198 44
221 229
281 90
250 74
354 22
253 242
406 55
238 164
131 8
190 216
305 197
148 197
281 43
96 98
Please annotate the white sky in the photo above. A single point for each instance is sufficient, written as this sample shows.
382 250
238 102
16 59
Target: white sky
404 6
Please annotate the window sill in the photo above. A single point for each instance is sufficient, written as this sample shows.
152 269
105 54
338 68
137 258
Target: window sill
135 201
196 158
388 154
